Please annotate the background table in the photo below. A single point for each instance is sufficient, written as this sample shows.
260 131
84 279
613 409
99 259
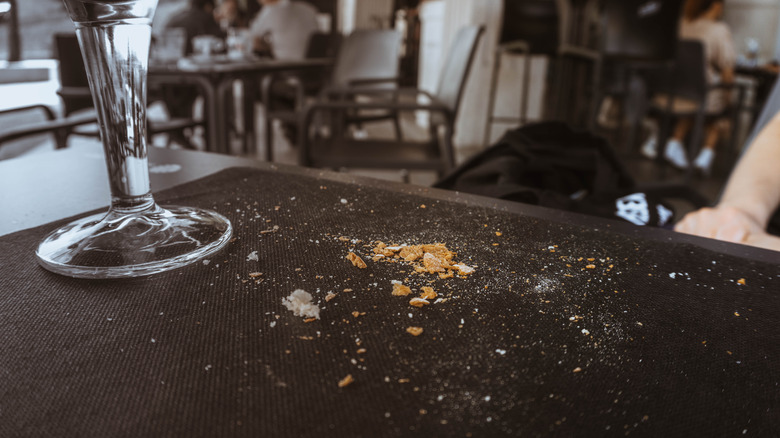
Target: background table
570 326
214 77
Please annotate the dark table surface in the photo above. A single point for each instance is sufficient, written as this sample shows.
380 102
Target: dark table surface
570 325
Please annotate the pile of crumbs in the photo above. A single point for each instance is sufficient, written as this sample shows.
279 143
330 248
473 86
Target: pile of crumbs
300 303
427 258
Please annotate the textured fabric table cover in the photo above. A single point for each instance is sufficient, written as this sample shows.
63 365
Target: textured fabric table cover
564 329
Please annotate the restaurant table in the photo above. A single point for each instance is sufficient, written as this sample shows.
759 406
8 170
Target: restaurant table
569 325
214 76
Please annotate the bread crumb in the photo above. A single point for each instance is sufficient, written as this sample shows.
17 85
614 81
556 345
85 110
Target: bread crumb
255 274
307 320
329 296
401 290
418 302
741 281
356 260
252 257
346 381
576 370
428 293
300 303
414 331
463 269
590 266
432 263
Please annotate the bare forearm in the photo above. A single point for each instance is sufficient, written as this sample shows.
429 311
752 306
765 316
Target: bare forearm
754 186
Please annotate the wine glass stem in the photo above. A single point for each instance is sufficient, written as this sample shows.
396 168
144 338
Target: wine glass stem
116 57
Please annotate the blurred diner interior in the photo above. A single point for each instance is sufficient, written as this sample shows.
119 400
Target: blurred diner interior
597 66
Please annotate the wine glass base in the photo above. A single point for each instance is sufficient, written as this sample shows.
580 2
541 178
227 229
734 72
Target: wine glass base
121 245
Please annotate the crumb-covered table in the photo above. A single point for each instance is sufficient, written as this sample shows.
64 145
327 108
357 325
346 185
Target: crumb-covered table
568 326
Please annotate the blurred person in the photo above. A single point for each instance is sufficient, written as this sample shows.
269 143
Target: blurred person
197 19
282 28
229 15
751 197
702 21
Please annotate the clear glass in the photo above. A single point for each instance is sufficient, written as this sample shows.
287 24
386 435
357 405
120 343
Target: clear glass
135 237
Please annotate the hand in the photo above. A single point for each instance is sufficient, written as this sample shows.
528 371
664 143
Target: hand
723 223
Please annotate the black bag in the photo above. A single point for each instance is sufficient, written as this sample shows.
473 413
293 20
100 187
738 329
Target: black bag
551 165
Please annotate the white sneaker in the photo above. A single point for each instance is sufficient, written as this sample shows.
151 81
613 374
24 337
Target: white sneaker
675 154
704 161
650 147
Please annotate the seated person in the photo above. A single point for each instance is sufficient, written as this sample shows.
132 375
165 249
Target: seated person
701 21
282 28
751 196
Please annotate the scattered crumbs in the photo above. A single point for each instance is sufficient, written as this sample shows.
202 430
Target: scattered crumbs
153 341
206 262
498 233
428 293
672 275
463 269
356 260
401 290
300 303
414 331
208 367
585 332
329 296
344 201
272 324
576 370
273 229
255 274
346 381
347 290
741 281
500 351
361 351
403 380
308 320
422 206
252 256
736 313
419 302
356 313
591 266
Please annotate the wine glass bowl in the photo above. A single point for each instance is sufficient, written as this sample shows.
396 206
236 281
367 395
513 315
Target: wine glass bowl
136 236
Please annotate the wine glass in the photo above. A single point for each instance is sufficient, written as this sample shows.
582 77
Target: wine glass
135 237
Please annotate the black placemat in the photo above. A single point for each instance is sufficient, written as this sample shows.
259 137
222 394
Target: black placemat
562 330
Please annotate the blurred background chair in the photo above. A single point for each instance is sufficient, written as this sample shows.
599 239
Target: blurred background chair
685 95
59 128
339 151
632 37
77 98
284 94
529 27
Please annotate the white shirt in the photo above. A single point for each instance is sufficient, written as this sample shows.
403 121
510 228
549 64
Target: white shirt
288 25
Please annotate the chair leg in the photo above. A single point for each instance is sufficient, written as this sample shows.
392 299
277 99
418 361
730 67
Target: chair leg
399 136
269 135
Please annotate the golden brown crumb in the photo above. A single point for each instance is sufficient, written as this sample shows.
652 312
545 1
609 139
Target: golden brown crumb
741 281
422 206
361 351
414 331
418 302
355 313
428 293
576 370
356 260
590 266
498 233
329 296
432 263
411 253
346 381
255 274
403 380
400 290
309 319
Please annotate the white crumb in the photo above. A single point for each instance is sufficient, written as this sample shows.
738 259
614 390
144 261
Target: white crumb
464 269
299 302
252 256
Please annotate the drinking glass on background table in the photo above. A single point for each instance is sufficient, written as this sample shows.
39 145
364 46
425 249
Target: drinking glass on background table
136 236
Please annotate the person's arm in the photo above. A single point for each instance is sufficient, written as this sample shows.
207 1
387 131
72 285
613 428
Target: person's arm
752 194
